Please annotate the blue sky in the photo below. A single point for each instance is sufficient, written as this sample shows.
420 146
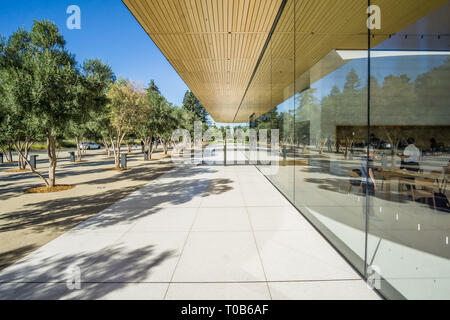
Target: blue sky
108 31
111 33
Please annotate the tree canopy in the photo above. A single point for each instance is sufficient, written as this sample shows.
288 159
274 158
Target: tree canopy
192 104
43 89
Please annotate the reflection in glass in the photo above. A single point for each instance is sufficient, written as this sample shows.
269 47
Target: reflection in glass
365 136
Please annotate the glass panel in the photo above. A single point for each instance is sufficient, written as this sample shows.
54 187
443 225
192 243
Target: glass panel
331 121
375 187
281 116
270 99
410 133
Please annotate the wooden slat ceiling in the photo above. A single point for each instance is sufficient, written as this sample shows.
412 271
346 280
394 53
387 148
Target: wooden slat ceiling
320 27
214 45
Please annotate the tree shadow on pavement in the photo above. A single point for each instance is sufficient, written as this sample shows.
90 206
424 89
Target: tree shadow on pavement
102 272
118 207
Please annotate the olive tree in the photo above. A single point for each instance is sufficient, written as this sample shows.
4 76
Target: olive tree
95 80
18 127
151 118
43 89
119 115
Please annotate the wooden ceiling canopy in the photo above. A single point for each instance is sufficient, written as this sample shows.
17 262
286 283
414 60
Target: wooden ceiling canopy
298 56
214 45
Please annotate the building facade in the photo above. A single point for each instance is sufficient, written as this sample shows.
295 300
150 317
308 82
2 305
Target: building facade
359 91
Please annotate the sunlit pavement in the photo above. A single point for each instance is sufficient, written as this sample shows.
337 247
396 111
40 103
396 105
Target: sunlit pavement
197 232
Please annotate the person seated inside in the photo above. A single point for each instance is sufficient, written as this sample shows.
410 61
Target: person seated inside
410 156
374 141
433 145
410 159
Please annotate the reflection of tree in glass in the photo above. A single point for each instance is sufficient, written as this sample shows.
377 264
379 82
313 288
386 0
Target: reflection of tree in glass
396 102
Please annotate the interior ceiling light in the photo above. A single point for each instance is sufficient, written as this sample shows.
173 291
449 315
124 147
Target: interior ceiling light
362 54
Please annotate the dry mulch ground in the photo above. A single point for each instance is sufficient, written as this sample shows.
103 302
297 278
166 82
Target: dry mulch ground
45 189
117 169
28 221
17 170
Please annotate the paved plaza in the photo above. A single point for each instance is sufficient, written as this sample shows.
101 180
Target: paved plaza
196 232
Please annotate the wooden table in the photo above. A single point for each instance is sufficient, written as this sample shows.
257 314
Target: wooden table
390 174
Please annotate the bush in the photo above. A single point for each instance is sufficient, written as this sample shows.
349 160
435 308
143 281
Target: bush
62 144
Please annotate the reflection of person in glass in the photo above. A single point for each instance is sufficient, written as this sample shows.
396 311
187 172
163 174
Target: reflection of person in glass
374 141
368 175
410 159
410 156
367 172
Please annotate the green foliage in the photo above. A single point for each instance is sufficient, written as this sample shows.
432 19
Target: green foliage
40 82
352 81
43 91
121 111
152 87
193 105
396 102
95 80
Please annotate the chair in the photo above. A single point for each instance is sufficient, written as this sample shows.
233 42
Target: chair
379 175
403 182
445 179
424 188
356 181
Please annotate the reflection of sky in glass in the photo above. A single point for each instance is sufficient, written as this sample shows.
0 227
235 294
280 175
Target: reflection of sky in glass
286 106
412 66
380 68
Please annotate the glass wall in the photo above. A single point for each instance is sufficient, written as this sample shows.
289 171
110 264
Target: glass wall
364 124
410 132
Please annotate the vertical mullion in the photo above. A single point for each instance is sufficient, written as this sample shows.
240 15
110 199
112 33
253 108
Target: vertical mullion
366 207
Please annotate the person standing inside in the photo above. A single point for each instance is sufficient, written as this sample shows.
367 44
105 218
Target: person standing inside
367 172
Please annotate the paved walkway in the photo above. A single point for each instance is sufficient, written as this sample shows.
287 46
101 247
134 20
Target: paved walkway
194 233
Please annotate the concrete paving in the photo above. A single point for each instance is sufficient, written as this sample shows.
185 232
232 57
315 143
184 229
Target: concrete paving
197 232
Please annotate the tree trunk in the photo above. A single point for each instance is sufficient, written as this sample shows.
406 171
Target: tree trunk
150 150
21 163
51 151
164 144
7 152
119 140
79 155
10 153
19 151
148 147
108 149
117 160
27 152
116 154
